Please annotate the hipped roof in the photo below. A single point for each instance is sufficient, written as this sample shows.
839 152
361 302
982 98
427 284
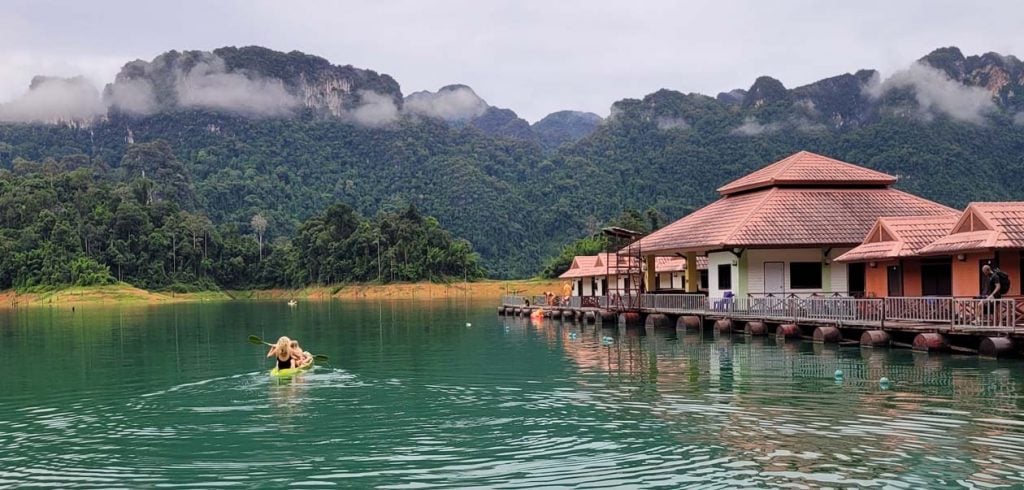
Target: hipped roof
983 226
787 218
808 169
893 238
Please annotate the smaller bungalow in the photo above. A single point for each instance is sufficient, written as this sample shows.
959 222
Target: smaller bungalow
987 233
942 255
670 274
598 275
888 258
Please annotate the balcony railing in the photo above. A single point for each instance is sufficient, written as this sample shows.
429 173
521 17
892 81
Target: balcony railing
958 313
919 309
989 313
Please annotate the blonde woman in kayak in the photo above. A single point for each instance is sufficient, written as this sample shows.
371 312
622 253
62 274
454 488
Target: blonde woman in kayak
282 351
299 356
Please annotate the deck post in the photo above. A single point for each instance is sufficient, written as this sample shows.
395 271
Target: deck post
650 272
692 276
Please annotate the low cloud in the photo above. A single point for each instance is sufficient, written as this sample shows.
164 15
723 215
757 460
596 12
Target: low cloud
131 96
208 85
375 110
669 123
936 93
55 100
753 127
454 103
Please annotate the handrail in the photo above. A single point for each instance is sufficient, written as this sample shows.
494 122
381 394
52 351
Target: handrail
957 313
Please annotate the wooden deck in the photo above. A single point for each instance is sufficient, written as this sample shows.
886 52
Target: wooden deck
946 316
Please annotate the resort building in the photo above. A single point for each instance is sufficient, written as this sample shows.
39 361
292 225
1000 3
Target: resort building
778 230
598 275
987 233
943 256
890 260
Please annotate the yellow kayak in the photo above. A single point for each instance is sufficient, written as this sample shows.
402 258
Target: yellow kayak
284 373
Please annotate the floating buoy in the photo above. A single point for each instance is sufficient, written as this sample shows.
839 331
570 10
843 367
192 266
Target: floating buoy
884 383
469 324
839 374
606 339
572 335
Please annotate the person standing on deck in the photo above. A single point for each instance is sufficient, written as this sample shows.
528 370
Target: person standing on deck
994 288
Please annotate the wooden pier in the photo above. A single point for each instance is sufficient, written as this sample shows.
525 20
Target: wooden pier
993 328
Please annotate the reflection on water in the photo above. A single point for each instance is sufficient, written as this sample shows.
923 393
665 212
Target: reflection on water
443 394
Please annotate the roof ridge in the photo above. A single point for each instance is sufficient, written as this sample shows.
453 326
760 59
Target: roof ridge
728 236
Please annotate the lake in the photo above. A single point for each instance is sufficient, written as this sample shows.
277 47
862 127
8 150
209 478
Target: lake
447 394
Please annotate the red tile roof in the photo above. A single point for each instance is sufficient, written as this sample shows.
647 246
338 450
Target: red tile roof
677 264
983 226
892 238
806 168
787 217
604 264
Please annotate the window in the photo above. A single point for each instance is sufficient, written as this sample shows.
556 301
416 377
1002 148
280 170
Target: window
724 276
703 279
805 275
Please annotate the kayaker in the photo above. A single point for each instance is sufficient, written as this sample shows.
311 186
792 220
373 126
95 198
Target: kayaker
299 356
282 351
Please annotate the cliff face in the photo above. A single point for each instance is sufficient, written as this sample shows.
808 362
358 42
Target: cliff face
1002 76
250 81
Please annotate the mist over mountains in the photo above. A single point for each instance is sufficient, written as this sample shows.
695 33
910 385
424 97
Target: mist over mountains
286 134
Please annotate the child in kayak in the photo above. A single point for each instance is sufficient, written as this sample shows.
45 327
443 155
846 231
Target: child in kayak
299 356
282 351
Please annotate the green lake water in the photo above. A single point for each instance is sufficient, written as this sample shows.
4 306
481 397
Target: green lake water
448 394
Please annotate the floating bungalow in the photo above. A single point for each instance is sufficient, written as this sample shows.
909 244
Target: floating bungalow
610 273
813 247
942 256
778 230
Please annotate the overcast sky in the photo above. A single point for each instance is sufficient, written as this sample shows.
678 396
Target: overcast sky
534 57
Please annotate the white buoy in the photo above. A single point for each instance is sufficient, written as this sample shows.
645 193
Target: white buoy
469 324
884 383
839 374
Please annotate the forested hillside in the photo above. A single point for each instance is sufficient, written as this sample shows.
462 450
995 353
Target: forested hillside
287 135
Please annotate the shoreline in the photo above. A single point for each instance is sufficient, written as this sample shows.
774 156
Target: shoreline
127 294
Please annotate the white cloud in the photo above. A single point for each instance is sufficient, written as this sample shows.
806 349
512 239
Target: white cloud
455 103
208 85
375 110
131 96
752 127
936 93
668 123
54 100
